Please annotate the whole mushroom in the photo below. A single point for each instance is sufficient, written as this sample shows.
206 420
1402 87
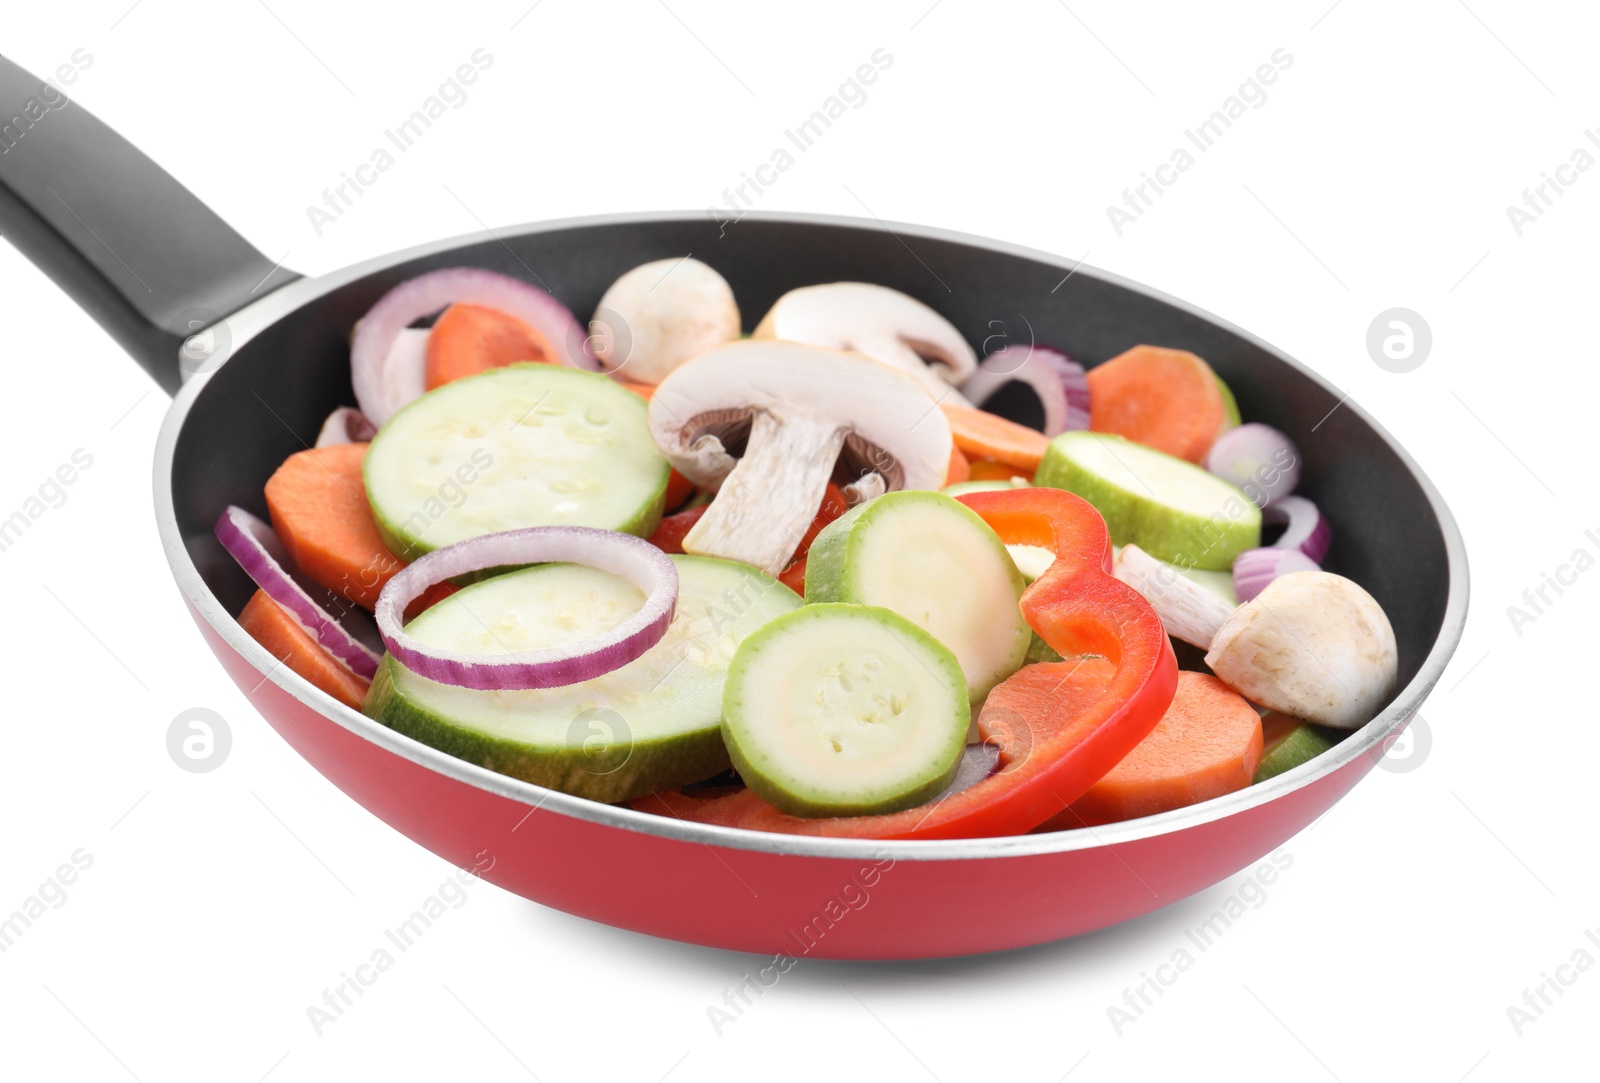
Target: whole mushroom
658 315
882 323
1312 644
768 425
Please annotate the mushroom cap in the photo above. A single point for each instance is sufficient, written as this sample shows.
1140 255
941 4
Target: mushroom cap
875 320
892 424
660 314
1313 645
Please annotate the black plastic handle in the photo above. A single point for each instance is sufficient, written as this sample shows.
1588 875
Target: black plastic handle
150 262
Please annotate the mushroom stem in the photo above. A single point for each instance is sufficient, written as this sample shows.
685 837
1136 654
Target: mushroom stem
764 505
866 488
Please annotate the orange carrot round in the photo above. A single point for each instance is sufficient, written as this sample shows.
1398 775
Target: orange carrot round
468 339
989 470
286 641
982 435
1206 745
959 469
318 506
1166 399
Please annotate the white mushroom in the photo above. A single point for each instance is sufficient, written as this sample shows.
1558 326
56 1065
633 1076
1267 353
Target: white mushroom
1313 645
882 323
768 424
659 315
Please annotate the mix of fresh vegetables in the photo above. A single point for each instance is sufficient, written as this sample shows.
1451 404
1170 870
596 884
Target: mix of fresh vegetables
803 581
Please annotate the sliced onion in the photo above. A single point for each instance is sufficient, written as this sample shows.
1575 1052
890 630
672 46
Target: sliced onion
1305 529
1258 459
259 552
1253 569
381 392
346 425
634 559
1057 379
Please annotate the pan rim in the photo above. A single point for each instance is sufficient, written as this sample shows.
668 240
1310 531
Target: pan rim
1369 740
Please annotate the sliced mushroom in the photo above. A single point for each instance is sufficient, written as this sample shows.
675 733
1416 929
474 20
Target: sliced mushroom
658 315
882 323
768 424
1313 645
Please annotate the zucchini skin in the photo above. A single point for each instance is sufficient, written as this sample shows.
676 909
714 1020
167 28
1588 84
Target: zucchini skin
635 769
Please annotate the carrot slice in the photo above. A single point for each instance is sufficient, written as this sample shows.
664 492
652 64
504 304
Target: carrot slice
989 470
644 391
468 339
1166 399
318 506
982 435
959 469
286 641
1206 745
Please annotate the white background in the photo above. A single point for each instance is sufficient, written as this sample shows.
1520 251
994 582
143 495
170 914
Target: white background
1377 174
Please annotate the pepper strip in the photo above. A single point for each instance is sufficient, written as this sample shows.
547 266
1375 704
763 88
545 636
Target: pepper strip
1059 726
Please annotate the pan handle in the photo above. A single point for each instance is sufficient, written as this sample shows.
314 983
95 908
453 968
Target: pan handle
150 262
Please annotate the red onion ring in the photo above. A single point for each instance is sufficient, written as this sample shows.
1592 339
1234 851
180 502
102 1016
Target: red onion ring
634 559
1258 459
381 391
346 425
259 552
1306 528
1057 379
1253 569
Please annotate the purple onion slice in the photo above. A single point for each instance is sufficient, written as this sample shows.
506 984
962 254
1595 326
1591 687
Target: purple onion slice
259 552
383 388
1057 379
634 559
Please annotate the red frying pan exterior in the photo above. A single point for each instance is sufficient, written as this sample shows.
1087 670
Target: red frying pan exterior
870 907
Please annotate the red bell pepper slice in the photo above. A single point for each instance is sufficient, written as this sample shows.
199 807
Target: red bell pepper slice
1059 726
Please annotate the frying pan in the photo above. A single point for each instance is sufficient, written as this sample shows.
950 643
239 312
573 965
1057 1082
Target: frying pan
257 356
